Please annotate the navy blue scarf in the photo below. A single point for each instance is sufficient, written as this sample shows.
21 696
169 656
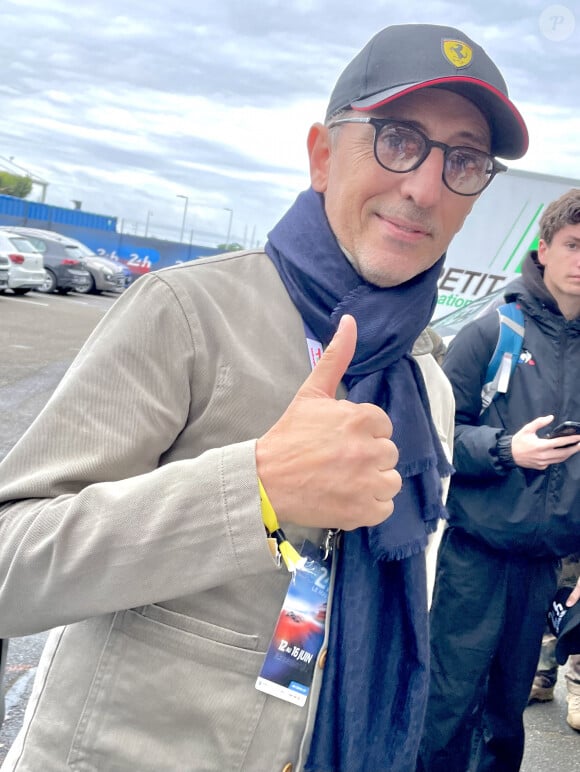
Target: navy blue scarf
374 690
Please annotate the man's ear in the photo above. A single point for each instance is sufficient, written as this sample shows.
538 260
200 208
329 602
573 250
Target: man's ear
542 249
319 155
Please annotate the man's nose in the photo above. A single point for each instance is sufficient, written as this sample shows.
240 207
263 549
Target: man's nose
425 184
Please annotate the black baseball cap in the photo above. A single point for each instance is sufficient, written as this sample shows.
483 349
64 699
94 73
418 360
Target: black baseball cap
406 57
564 622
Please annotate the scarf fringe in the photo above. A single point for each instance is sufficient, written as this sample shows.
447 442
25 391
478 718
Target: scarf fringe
403 551
421 465
432 516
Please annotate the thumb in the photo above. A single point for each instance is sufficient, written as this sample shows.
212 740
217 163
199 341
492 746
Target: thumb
323 381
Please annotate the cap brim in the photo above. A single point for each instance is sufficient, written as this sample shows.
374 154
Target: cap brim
508 131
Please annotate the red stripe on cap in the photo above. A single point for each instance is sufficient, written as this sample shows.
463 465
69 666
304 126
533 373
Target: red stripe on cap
451 79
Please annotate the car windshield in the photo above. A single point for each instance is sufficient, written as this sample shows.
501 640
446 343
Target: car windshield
449 325
74 252
84 250
22 244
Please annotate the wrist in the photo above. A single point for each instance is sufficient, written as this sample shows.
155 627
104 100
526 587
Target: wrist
504 451
289 555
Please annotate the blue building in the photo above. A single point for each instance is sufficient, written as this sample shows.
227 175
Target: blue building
99 232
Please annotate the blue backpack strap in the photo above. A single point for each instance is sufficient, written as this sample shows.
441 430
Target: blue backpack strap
506 354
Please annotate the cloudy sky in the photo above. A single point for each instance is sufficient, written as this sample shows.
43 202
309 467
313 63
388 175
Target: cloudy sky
127 104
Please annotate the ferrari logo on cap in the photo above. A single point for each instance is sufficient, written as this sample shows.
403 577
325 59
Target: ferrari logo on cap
458 53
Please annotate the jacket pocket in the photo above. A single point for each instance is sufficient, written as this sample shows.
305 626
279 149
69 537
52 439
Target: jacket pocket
169 693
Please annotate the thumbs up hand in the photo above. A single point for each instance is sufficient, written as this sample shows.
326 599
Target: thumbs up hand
329 463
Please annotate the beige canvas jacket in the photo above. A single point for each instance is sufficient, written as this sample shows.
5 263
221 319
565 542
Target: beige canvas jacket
130 522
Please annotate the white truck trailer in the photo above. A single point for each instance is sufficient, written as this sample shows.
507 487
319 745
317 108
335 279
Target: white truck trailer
502 227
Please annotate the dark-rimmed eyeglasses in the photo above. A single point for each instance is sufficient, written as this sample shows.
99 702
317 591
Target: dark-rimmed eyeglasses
401 147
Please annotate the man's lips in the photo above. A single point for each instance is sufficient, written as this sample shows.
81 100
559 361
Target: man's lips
405 228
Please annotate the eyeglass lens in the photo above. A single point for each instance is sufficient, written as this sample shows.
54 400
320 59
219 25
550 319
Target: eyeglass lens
401 148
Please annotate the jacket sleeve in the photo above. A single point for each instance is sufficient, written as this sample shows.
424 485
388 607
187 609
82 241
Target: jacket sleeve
476 449
91 518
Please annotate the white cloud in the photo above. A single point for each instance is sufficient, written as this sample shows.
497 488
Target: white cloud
124 104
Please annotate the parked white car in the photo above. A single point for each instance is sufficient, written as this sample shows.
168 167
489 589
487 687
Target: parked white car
26 265
4 272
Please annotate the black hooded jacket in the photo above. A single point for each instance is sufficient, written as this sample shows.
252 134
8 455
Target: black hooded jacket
528 512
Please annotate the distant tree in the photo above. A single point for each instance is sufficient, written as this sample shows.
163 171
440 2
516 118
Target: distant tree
233 246
15 185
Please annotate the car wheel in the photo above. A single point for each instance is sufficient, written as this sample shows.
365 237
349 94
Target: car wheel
85 289
21 290
49 282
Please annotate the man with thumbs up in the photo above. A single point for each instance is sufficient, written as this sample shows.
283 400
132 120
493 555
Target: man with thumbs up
241 405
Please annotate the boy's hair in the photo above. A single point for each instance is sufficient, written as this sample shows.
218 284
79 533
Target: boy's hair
561 212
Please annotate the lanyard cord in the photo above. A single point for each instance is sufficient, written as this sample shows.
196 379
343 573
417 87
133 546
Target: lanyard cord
290 556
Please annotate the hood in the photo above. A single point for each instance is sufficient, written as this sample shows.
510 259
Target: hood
532 282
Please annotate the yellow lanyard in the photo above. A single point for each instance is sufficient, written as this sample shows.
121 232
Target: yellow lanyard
290 556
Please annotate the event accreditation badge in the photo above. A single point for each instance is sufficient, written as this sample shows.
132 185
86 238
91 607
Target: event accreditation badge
288 668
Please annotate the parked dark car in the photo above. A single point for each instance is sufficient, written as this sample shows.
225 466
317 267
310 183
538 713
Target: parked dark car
107 275
63 264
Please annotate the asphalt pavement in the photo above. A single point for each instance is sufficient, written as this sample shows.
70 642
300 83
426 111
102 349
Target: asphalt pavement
551 745
39 337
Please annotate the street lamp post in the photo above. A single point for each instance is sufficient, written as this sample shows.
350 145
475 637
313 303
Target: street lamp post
231 211
147 223
186 200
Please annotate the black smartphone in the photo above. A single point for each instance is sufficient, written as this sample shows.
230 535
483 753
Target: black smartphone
566 429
